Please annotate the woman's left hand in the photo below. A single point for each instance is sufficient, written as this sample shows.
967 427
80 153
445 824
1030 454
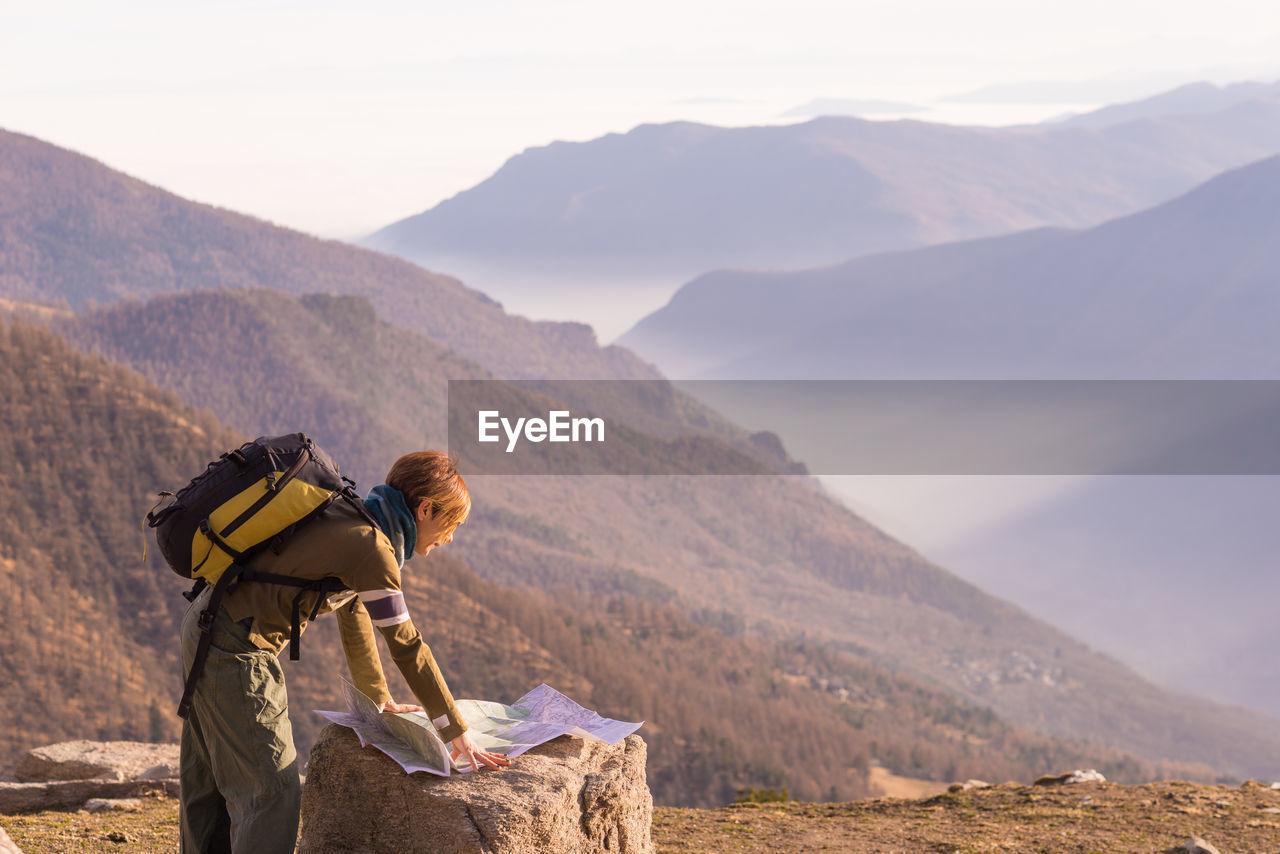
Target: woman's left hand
463 746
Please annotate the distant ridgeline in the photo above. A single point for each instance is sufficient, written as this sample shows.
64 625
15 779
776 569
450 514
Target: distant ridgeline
77 231
680 198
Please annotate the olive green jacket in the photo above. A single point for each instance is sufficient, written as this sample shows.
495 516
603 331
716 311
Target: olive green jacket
343 545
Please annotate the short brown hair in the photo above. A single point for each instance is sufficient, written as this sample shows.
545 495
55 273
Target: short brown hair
432 476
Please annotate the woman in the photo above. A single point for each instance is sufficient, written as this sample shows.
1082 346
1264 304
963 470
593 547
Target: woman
238 768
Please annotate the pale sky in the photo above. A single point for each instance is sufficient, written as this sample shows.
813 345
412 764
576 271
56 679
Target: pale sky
337 119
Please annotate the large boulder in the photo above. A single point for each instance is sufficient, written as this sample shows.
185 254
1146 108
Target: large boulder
569 795
71 772
88 760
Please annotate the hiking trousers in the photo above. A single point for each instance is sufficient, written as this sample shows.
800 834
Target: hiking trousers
238 768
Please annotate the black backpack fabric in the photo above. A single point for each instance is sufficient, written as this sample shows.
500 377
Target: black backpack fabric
247 500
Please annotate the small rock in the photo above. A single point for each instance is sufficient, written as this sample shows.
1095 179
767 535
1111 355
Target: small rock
1196 845
1273 810
1087 800
967 785
1275 785
164 771
7 845
1222 804
1077 776
120 804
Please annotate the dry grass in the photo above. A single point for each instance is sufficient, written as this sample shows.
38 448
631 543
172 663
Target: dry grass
151 830
889 785
1088 817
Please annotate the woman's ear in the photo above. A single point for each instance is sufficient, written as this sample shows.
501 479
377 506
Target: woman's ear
423 513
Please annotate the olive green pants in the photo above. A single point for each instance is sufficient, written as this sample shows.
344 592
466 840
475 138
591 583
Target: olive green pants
238 768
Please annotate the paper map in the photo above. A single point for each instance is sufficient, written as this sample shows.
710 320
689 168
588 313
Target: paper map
410 739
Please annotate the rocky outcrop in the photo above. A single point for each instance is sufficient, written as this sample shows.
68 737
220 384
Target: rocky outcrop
104 760
1077 776
21 797
569 796
73 772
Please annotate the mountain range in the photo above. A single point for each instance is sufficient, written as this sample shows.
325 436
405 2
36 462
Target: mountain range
769 556
1184 290
761 560
1192 98
578 226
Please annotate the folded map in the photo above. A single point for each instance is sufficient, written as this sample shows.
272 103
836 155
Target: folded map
411 740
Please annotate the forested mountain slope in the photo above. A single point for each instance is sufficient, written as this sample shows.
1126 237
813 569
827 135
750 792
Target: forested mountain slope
71 229
89 646
771 555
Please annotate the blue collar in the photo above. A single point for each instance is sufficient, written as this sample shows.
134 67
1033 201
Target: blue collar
388 506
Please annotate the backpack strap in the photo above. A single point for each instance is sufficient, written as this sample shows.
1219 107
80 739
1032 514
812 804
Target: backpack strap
324 586
236 573
206 625
348 493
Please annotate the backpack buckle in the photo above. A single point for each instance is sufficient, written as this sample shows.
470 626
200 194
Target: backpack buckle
206 621
195 591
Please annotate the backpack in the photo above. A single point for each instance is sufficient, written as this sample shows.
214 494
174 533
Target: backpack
248 500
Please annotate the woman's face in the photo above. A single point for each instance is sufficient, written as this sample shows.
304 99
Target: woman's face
430 532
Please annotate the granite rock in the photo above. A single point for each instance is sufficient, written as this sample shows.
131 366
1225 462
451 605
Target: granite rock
112 804
569 796
109 760
1196 845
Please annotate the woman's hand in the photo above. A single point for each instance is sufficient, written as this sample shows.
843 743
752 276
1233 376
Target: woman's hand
393 706
462 746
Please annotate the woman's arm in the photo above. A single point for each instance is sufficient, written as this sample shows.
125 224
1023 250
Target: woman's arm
415 662
361 648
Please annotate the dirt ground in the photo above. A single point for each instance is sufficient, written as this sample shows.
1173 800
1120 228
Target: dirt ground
1084 817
